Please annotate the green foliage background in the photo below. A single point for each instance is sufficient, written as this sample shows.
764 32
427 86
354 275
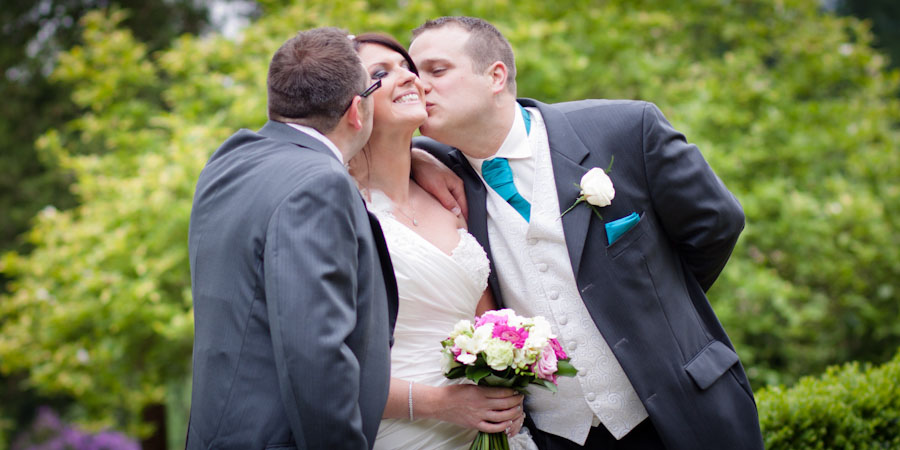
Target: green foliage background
790 105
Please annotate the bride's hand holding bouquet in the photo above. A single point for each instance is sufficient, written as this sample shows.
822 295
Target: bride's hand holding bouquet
502 349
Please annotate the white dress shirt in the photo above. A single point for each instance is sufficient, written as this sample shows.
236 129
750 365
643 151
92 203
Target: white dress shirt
319 137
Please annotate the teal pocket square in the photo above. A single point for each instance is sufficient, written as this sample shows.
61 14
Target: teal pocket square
617 228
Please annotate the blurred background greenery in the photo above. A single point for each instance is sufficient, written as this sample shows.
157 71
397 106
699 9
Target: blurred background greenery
111 108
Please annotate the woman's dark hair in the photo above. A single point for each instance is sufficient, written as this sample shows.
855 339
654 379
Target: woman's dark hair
385 40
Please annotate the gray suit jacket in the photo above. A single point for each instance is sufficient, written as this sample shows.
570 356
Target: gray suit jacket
646 291
294 299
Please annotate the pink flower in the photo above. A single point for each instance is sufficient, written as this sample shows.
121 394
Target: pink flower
557 349
545 368
495 319
516 336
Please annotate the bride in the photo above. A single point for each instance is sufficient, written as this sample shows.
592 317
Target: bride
441 275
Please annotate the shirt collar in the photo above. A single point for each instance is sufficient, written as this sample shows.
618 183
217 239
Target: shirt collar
515 146
321 138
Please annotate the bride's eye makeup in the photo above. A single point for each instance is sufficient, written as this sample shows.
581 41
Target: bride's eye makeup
378 73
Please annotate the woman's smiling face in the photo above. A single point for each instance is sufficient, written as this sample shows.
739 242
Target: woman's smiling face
401 100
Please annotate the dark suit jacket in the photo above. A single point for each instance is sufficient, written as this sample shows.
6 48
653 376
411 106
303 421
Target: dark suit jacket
294 299
646 292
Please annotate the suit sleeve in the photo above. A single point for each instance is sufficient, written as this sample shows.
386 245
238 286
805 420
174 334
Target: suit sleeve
698 213
310 275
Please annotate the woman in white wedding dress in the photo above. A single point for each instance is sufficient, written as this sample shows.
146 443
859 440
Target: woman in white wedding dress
441 274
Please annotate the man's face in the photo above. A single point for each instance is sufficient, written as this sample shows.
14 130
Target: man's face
456 98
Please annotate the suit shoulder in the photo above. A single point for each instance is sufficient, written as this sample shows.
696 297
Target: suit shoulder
629 108
611 119
251 162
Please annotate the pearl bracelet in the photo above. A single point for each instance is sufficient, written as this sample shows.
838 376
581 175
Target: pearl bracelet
410 401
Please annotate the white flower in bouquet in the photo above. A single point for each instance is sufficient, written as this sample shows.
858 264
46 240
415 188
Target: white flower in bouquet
462 327
498 354
538 334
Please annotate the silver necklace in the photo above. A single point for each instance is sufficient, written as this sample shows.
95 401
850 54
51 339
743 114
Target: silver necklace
412 218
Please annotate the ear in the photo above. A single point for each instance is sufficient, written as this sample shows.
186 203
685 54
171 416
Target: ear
354 114
498 73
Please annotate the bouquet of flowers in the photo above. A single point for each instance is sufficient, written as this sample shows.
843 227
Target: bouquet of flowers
502 349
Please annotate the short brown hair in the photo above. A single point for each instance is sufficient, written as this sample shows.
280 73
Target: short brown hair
485 46
313 77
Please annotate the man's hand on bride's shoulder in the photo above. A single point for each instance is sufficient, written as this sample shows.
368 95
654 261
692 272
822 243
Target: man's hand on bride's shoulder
439 181
488 409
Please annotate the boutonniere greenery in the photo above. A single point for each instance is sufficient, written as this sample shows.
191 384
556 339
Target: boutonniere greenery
596 189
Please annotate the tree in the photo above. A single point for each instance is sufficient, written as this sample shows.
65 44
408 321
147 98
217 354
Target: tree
791 106
32 33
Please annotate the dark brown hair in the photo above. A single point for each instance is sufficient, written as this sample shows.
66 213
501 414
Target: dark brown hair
486 45
387 41
313 77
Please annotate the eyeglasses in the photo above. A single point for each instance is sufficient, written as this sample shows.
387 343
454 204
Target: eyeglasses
374 87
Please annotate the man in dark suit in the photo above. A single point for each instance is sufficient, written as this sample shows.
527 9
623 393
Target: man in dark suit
624 285
294 294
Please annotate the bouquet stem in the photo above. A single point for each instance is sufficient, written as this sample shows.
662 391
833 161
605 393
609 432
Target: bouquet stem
490 441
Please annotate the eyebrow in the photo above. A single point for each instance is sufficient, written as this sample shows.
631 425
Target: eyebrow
433 61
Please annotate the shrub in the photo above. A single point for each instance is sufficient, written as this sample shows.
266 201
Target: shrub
849 407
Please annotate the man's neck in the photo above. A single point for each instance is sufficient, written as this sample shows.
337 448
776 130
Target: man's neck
485 142
344 144
329 141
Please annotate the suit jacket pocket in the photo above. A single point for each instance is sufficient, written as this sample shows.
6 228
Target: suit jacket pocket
710 363
633 234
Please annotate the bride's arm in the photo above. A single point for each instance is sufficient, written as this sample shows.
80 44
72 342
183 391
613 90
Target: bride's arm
486 303
487 409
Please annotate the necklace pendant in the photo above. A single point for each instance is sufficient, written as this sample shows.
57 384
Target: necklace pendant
415 222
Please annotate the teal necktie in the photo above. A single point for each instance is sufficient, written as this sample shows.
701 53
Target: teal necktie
498 175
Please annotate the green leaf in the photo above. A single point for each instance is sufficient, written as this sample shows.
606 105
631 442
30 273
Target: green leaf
456 372
496 381
476 373
565 369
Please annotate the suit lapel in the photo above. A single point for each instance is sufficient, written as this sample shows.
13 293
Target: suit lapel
567 152
387 269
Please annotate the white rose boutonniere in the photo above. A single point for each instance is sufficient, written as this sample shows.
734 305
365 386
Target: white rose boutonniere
596 189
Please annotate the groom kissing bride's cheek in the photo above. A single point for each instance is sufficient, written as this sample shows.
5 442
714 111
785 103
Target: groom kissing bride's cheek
618 261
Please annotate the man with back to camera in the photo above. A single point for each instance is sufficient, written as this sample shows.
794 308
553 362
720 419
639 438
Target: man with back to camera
294 293
622 279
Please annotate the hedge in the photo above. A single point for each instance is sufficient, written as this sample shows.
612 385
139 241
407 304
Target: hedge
849 407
